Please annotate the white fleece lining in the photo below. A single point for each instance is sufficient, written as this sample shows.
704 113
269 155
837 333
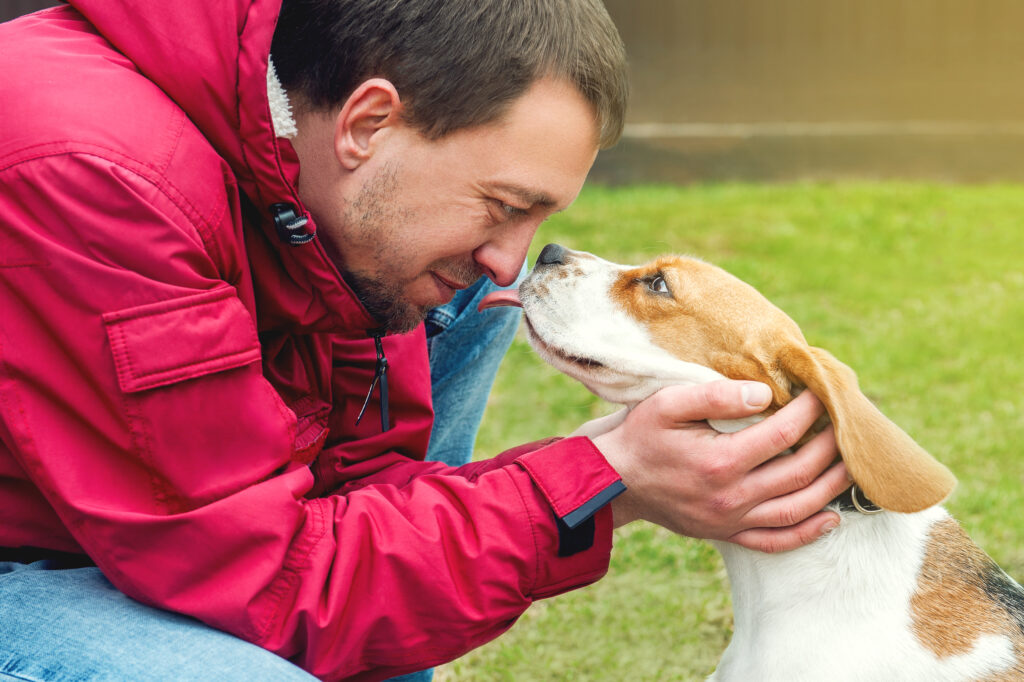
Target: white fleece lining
280 108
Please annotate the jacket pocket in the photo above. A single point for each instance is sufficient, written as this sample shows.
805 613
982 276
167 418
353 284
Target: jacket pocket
163 343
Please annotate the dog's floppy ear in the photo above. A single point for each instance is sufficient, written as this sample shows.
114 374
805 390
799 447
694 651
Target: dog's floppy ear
893 471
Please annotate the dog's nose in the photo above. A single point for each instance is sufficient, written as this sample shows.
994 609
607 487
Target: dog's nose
552 254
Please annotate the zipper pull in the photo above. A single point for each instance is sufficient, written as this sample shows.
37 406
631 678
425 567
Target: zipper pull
380 376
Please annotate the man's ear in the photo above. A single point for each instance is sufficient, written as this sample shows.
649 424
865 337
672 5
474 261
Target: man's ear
372 107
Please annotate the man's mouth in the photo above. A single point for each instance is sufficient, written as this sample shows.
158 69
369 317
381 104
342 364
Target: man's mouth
448 283
451 284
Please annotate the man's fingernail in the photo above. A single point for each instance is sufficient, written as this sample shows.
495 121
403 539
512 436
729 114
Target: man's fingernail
756 395
829 527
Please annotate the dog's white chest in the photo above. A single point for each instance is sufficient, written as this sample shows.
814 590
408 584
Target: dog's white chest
839 610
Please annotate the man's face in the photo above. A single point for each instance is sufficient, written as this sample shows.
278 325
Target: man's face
422 218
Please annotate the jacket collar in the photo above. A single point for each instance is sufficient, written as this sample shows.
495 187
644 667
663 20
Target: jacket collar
280 107
221 82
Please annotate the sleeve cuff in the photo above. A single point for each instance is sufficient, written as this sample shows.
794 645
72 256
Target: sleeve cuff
577 492
587 510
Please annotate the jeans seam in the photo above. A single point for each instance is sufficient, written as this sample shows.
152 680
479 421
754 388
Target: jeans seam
13 675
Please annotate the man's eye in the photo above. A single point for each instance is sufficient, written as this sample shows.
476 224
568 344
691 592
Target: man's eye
658 285
502 211
512 211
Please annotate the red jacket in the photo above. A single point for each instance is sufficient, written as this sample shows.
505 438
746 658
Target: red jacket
178 386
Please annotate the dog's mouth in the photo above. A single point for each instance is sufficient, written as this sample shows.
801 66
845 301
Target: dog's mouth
545 347
510 297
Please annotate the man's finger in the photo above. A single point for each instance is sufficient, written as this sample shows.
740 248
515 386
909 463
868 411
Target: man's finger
773 540
757 444
789 473
793 508
724 399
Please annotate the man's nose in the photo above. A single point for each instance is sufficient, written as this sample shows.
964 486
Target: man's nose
502 257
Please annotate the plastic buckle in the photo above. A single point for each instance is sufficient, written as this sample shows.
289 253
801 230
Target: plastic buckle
290 225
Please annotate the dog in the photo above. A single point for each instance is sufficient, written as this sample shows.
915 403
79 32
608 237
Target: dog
896 593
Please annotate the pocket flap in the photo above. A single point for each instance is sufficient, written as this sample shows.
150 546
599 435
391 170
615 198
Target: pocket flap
170 341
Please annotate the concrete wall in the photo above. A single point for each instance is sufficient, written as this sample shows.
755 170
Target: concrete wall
783 89
778 89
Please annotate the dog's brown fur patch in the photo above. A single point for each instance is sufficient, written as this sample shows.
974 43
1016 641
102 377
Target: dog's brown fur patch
962 594
711 319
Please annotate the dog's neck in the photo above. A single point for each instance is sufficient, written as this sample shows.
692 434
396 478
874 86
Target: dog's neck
847 593
859 555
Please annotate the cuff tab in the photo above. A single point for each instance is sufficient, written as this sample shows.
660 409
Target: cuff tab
575 540
587 510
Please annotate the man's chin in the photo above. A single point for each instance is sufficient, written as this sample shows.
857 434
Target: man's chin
397 319
381 302
402 317
390 304
405 323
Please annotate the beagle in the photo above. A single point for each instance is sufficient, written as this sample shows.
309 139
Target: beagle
897 592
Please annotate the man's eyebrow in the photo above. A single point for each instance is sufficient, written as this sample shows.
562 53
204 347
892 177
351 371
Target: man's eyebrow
531 196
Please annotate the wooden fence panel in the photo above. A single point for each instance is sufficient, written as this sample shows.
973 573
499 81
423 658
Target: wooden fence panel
777 89
821 88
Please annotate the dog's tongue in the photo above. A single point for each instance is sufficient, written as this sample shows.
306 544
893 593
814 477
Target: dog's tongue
496 299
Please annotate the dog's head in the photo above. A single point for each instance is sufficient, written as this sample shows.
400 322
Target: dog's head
625 332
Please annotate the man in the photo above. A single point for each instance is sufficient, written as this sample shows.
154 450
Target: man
214 378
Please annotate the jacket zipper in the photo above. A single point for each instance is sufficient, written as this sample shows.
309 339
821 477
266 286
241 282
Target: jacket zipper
380 376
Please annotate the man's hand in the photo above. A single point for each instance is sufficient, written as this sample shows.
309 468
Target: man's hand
683 475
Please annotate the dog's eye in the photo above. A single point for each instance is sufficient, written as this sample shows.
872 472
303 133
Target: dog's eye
658 285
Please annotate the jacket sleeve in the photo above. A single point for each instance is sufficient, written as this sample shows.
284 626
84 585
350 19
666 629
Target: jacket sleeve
132 395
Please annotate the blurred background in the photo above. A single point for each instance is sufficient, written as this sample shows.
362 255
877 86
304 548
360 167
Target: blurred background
813 89
784 89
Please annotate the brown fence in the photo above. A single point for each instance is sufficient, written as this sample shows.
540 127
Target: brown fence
777 89
768 89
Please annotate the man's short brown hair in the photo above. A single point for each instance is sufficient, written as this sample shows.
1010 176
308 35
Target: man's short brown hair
455 63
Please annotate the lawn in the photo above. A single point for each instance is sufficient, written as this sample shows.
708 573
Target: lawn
918 287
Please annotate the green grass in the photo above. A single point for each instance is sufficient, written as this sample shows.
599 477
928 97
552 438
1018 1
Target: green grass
918 287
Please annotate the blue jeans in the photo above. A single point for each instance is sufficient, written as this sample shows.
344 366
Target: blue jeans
72 624
465 348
